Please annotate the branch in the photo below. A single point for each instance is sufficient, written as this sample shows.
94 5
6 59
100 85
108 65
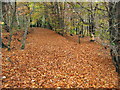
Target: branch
84 7
101 9
78 14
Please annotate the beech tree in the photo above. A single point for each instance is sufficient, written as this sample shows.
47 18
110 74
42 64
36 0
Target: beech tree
9 13
114 28
79 18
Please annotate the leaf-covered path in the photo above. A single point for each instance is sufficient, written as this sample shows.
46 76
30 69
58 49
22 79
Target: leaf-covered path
50 61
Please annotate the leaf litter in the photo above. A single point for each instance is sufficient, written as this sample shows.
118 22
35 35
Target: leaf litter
52 61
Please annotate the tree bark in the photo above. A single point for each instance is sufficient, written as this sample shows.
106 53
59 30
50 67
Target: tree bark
27 25
92 26
25 33
114 17
0 25
13 18
117 41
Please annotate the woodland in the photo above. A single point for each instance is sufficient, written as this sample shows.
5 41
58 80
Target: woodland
60 44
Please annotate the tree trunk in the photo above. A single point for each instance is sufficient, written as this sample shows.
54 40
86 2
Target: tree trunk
1 24
13 18
114 17
117 41
27 21
114 34
27 25
0 39
92 25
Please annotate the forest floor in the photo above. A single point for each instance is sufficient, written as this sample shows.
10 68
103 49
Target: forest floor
53 61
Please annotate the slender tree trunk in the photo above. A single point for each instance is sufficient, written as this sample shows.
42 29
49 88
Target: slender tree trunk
2 10
91 26
6 7
27 25
25 33
82 31
17 19
13 18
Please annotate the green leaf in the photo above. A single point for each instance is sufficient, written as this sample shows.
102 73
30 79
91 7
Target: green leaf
113 44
